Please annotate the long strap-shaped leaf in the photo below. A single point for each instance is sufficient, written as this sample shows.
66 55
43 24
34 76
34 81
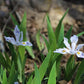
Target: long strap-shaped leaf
51 35
57 31
43 67
53 74
80 72
37 76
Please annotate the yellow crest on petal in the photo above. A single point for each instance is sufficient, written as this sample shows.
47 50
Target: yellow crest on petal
78 53
64 51
23 43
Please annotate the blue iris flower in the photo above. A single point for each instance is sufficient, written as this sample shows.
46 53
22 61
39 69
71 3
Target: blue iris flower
18 38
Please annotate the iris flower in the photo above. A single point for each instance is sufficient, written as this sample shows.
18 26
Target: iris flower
18 38
16 83
71 49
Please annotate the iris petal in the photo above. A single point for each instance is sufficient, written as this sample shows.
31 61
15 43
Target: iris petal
10 39
79 46
27 43
62 50
17 33
80 54
66 43
16 83
74 40
21 38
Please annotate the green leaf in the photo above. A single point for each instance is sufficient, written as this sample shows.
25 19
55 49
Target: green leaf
57 31
70 68
79 73
19 62
80 34
46 42
30 79
51 35
3 61
68 34
11 75
8 61
37 76
58 68
13 53
44 66
29 49
21 50
39 44
61 35
4 77
52 76
55 57
1 74
23 26
14 20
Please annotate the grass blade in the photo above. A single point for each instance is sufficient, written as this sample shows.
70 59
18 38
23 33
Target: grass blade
80 34
68 34
14 20
30 79
51 35
39 44
44 66
70 68
29 49
61 35
52 76
46 42
79 73
4 77
57 31
37 76
11 75
23 26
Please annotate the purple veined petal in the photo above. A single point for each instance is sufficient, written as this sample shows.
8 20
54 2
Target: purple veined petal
80 54
21 36
27 43
62 51
10 39
74 40
17 33
72 52
16 83
66 43
79 46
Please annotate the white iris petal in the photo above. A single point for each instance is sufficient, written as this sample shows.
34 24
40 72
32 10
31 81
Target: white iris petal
17 33
61 50
27 43
74 40
79 46
72 49
16 83
80 54
66 43
21 38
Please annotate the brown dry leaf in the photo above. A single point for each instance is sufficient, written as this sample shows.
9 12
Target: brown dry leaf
69 82
62 82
